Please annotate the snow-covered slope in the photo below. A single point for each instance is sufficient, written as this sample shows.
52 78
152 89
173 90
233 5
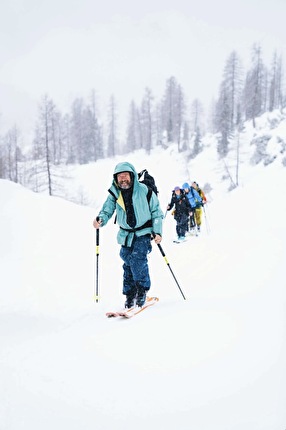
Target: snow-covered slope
214 361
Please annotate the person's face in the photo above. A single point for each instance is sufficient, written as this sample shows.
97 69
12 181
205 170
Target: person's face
124 180
178 192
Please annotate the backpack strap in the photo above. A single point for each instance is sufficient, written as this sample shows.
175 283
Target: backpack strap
141 173
149 195
132 230
112 193
115 198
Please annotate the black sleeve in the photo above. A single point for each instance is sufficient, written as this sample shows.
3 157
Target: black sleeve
188 204
171 204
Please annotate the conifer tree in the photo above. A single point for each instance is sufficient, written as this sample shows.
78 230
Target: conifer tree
95 130
227 108
255 86
77 131
112 128
11 141
147 120
275 88
133 140
196 115
173 107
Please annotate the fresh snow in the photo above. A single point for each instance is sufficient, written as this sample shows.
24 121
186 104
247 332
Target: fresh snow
215 361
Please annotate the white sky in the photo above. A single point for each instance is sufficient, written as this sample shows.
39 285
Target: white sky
67 47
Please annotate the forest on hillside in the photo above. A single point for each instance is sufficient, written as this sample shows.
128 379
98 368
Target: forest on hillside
80 136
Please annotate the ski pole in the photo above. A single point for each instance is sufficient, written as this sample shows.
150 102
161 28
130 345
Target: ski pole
96 292
207 223
168 264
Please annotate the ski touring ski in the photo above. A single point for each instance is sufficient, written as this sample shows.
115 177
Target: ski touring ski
135 310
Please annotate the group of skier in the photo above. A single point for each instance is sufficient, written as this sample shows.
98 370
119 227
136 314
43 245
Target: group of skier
187 203
140 219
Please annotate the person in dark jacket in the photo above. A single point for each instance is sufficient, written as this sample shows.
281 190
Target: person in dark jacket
181 213
139 218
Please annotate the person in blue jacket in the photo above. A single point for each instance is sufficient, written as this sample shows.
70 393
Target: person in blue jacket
195 201
139 217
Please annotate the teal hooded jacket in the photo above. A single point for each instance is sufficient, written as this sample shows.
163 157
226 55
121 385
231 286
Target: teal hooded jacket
148 215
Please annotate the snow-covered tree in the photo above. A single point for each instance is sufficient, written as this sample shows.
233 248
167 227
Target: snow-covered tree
197 148
112 128
45 146
13 153
223 122
173 108
133 139
196 115
255 86
275 87
147 120
227 108
94 135
77 131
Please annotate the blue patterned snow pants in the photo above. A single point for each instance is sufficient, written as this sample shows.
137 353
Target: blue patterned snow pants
135 267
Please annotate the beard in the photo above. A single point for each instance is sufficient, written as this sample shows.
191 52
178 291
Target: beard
125 184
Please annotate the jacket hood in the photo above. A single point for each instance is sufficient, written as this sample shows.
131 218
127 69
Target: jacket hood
185 185
125 167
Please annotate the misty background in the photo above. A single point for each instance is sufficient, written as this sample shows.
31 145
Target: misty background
66 49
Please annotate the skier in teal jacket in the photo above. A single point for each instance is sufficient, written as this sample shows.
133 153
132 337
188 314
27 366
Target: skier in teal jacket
139 217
